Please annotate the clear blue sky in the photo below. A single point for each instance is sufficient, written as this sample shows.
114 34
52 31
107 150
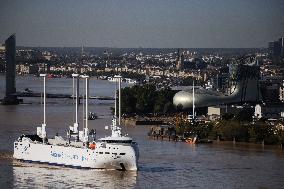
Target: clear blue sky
142 23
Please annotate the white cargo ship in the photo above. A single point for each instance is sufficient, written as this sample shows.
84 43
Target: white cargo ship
112 152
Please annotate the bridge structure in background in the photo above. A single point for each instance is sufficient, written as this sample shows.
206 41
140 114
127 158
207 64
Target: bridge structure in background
10 56
49 95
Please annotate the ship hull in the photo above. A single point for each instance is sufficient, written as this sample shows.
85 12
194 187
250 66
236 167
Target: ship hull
104 156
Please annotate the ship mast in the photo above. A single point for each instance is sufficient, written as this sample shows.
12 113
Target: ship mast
43 130
86 130
115 101
119 106
118 78
193 101
76 124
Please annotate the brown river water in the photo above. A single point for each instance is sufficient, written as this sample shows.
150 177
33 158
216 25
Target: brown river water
162 164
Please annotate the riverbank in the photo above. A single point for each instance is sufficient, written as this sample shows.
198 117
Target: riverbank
149 120
175 127
226 144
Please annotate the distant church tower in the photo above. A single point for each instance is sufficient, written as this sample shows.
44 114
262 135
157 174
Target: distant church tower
10 56
180 60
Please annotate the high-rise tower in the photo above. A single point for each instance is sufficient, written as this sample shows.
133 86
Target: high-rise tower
276 50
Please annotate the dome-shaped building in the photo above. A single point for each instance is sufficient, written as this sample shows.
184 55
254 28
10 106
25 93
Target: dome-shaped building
246 90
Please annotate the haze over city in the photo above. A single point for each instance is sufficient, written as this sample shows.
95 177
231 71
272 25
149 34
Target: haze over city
133 23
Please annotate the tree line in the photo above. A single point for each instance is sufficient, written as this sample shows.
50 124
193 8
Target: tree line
147 99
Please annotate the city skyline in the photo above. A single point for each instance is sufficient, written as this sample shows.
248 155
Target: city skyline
147 24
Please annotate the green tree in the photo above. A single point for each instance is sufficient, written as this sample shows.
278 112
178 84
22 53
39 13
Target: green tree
227 116
128 101
146 99
163 101
169 107
245 114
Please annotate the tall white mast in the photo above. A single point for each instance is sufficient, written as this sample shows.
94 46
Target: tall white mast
43 131
87 98
76 124
115 101
86 130
119 85
118 78
119 106
193 101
